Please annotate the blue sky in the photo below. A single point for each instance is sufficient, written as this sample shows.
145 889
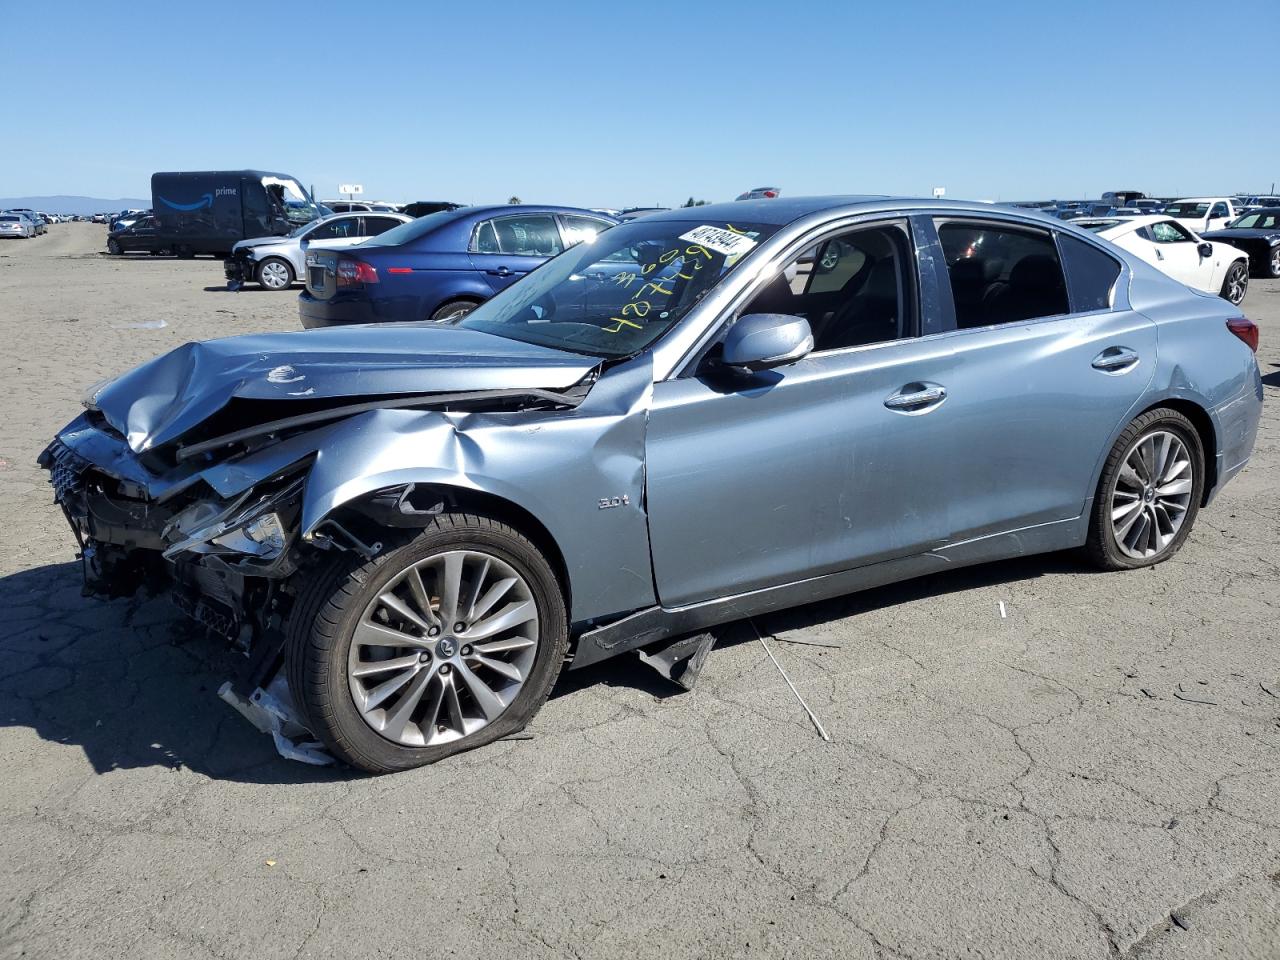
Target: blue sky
619 104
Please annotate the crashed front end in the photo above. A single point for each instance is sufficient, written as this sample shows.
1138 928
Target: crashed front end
191 475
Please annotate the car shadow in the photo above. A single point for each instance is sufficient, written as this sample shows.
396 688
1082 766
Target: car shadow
223 288
133 683
1272 379
627 670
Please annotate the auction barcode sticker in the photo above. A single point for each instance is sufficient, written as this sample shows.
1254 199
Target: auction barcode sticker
720 240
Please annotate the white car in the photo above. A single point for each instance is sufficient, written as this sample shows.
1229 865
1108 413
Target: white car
1203 214
1169 246
276 262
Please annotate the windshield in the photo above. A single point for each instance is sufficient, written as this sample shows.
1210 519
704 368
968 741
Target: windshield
298 207
616 294
1256 221
1187 209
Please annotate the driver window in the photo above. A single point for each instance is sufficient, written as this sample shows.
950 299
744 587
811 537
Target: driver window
855 289
1166 231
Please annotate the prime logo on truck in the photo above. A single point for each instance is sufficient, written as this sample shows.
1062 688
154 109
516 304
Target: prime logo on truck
210 211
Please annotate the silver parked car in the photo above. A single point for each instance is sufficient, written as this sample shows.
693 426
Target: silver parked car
16 225
276 262
699 416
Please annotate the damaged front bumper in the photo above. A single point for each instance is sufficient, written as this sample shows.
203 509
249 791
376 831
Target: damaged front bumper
225 560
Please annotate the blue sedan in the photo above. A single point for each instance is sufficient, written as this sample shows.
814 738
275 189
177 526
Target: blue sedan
440 266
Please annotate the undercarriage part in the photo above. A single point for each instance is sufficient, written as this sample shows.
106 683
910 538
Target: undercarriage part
272 711
681 662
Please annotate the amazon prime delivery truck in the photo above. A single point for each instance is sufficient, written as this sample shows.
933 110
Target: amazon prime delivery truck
210 210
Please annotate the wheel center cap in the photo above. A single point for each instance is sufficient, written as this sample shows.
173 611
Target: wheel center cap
446 647
1150 496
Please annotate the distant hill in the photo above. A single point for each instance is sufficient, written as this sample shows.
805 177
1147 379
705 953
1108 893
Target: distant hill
79 205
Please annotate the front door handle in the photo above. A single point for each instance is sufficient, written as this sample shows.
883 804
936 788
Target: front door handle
499 272
1116 360
917 398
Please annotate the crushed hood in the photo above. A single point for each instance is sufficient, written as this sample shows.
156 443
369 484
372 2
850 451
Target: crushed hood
157 402
258 242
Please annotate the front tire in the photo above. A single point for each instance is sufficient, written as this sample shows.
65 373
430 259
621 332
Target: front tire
1236 283
274 274
1273 265
446 643
113 247
1149 493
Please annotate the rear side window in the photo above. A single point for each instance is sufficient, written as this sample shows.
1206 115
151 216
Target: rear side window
530 236
376 225
1002 274
1091 274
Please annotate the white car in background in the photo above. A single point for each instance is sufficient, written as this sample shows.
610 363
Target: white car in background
1203 214
1169 246
274 263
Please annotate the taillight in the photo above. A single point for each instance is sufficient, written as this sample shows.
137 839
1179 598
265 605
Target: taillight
354 273
1246 330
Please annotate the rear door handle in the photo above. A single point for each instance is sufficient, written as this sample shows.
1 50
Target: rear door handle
1116 360
917 398
499 272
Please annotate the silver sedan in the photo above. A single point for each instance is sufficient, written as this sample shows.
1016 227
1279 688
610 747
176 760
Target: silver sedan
16 225
699 416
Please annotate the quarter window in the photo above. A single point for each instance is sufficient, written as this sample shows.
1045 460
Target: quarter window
1002 274
1091 274
582 229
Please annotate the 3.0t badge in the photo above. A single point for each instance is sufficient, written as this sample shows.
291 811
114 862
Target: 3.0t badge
607 502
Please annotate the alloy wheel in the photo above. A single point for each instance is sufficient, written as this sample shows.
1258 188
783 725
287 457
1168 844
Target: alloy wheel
1275 262
1237 283
1152 495
275 275
444 648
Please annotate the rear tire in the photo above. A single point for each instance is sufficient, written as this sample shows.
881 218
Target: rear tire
1236 283
452 310
419 721
113 247
1273 265
1142 514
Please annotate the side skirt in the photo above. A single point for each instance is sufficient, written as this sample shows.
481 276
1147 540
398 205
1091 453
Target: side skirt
654 624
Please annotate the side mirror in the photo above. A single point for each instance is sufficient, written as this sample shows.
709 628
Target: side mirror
762 341
1206 250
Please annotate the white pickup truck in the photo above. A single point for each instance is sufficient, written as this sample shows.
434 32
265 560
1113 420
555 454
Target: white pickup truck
1203 213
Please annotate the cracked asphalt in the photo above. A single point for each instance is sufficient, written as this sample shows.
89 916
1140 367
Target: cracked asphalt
1094 775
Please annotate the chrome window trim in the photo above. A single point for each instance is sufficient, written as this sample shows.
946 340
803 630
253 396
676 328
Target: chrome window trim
673 350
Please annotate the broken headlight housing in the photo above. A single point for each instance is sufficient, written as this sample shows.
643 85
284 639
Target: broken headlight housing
254 525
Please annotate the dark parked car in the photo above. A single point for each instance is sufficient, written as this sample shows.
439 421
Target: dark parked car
440 265
142 234
1257 234
420 208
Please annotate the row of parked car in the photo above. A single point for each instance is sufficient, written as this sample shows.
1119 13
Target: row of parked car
24 223
373 261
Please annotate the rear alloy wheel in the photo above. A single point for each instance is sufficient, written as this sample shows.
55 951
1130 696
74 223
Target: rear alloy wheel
444 644
113 247
274 274
1274 262
453 310
1149 493
1236 283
